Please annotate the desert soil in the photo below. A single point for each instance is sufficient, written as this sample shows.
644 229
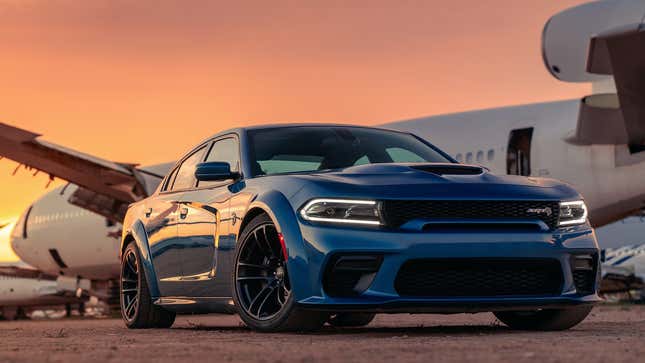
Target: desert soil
613 333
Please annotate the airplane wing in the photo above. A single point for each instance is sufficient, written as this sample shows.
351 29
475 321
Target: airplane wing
23 271
105 187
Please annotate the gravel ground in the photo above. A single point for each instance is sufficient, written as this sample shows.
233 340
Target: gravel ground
613 333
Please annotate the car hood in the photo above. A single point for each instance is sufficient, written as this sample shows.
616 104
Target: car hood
432 181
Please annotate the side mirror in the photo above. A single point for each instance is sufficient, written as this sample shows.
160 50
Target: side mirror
215 171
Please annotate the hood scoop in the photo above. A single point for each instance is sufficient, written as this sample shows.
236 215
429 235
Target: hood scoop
450 169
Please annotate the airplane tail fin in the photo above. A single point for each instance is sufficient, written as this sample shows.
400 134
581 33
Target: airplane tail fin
594 42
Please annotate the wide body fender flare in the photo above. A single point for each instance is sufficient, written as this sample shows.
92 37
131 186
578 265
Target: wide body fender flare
138 233
302 277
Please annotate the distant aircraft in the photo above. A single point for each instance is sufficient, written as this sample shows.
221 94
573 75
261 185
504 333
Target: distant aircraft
623 269
596 143
23 289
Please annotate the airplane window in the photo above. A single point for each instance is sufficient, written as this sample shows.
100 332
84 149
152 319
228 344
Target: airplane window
480 156
469 158
491 155
224 150
186 175
459 157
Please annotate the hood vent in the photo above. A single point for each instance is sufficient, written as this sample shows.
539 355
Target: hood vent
450 169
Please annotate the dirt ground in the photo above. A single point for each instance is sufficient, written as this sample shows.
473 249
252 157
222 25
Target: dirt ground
610 334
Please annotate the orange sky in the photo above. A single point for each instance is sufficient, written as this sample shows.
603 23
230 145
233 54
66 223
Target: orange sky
142 81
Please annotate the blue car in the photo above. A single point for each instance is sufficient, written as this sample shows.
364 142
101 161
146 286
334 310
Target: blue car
292 227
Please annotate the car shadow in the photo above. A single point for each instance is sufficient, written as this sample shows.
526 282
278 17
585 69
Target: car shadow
377 331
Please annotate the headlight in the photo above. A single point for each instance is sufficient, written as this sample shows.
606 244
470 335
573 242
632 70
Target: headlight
572 213
342 211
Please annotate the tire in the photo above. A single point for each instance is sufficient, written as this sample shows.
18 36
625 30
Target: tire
545 320
346 320
260 275
137 308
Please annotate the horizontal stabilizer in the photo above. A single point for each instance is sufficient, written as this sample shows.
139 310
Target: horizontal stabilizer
566 36
600 121
621 53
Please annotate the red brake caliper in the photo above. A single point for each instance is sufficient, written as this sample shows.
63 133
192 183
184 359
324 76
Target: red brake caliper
284 247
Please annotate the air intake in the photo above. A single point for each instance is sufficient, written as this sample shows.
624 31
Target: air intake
479 278
450 169
350 275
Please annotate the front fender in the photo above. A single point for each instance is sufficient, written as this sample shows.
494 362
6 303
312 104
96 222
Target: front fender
276 205
138 233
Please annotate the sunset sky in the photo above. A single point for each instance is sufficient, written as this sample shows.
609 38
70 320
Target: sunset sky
141 81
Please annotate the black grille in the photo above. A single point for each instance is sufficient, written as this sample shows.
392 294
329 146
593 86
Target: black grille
350 275
583 268
584 281
398 212
479 277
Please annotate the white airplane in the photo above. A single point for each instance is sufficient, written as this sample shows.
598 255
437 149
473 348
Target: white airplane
624 269
596 143
23 289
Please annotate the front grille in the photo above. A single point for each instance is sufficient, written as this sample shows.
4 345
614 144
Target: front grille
479 277
398 212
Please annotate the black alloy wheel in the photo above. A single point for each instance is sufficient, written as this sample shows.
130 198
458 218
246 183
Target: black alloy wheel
137 306
261 274
262 289
129 285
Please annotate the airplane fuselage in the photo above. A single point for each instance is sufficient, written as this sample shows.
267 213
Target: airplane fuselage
608 176
59 238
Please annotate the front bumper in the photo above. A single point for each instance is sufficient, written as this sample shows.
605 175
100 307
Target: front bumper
322 243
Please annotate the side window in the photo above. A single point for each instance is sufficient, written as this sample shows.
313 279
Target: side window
170 180
223 150
186 175
226 150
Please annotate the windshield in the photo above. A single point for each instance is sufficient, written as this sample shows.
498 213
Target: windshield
311 148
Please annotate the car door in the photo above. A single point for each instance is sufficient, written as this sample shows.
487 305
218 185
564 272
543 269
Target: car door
203 227
161 219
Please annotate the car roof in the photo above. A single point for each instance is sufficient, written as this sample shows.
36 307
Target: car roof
239 130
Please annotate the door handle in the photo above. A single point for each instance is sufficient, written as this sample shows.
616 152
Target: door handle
148 212
183 213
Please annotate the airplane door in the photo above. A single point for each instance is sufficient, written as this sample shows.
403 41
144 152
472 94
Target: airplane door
518 156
